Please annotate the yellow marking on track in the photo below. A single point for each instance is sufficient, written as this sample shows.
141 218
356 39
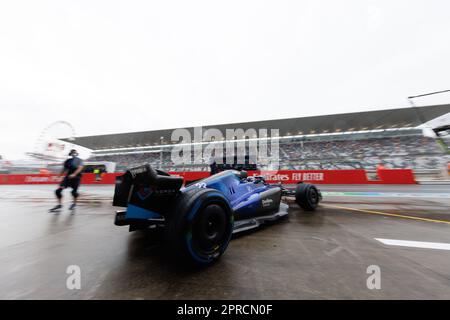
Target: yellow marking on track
386 214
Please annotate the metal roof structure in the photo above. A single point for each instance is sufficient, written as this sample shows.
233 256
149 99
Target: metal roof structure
346 122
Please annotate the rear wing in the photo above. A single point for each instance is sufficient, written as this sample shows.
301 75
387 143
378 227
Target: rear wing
147 188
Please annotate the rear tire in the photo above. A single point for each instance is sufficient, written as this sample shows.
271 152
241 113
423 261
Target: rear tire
307 196
199 227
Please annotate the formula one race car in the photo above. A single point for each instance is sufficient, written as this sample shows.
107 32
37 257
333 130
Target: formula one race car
198 220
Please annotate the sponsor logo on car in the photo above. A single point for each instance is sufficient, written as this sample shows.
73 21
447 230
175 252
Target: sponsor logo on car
134 172
267 202
144 192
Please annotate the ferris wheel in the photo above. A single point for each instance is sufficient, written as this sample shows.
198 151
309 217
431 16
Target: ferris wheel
49 145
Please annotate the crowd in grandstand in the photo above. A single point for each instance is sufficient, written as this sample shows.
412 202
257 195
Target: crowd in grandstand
129 160
397 152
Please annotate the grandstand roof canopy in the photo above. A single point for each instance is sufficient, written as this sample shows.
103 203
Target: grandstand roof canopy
347 122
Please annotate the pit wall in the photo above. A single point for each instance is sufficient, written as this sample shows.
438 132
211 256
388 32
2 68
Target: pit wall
386 176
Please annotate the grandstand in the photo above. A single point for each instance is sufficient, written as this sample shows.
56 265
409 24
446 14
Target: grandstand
363 140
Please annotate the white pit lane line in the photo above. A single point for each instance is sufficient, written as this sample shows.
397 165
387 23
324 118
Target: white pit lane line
415 244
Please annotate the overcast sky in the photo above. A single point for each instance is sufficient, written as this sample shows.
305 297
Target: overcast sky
120 66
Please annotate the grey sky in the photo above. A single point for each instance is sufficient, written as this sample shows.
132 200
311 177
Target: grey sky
118 66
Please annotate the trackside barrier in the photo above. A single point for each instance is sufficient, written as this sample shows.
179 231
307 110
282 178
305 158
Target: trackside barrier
396 176
88 178
386 176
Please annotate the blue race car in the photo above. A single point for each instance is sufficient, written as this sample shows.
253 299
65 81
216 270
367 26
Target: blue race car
198 220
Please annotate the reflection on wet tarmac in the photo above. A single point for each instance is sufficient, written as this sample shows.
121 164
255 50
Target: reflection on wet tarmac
306 256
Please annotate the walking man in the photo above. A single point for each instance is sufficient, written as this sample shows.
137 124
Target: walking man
72 169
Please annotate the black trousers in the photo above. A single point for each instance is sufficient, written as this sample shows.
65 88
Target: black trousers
67 182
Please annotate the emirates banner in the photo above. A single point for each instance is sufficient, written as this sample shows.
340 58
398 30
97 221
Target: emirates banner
386 176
